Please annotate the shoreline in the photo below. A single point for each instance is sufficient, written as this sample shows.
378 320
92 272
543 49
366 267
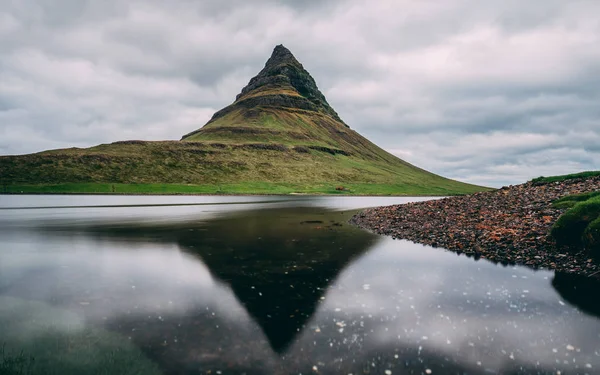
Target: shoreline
235 194
510 226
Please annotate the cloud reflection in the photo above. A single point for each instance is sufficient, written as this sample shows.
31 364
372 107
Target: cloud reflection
297 289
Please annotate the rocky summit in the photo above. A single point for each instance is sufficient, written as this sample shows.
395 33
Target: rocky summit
279 136
283 83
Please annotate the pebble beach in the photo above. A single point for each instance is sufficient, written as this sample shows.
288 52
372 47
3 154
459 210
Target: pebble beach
510 225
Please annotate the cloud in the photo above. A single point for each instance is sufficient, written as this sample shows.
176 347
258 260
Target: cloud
490 93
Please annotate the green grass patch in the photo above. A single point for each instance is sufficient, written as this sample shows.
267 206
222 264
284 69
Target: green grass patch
571 200
578 227
544 180
243 188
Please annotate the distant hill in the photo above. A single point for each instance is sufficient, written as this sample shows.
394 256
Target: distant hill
280 135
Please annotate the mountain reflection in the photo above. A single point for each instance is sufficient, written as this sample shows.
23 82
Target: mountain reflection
286 290
278 262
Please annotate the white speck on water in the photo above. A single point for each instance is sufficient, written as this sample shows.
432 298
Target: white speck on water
554 350
388 372
366 286
570 347
587 365
396 356
561 303
315 368
427 371
338 309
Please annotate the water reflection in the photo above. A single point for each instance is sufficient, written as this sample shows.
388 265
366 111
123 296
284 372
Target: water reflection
277 262
580 291
297 290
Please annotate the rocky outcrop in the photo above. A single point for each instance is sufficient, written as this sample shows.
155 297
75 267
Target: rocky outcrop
283 71
283 84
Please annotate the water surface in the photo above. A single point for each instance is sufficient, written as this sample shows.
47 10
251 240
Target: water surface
268 285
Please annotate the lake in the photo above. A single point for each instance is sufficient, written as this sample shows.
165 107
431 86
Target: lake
268 285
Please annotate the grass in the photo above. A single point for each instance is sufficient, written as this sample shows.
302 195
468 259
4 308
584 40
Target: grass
259 188
175 167
571 200
579 226
546 180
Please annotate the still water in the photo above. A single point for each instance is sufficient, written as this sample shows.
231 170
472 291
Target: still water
268 285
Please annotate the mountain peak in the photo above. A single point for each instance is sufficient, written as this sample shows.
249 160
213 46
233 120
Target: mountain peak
281 55
283 84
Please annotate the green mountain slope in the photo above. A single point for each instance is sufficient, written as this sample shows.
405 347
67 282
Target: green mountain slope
279 136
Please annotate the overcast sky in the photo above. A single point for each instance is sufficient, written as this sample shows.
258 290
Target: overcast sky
488 92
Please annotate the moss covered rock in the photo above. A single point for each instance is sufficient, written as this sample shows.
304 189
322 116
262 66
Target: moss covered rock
570 227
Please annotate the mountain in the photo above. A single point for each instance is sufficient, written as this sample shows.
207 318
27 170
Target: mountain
280 135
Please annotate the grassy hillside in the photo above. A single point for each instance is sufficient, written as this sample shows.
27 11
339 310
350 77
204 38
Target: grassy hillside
192 167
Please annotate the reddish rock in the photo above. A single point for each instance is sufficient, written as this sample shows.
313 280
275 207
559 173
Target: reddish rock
510 225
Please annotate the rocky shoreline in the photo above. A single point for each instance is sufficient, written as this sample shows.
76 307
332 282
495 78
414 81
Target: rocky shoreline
509 226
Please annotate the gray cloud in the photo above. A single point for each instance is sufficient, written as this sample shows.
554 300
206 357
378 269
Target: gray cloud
490 93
